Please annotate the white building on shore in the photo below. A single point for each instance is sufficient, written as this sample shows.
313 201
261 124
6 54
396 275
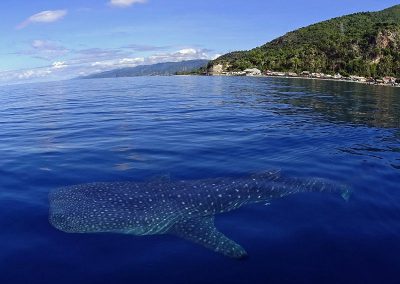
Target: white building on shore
252 72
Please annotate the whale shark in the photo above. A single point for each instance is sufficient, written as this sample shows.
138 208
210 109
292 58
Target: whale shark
184 208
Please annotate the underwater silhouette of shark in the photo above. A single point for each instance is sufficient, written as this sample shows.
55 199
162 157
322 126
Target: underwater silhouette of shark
182 208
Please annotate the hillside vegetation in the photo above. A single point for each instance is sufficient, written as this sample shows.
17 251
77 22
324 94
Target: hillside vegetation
366 44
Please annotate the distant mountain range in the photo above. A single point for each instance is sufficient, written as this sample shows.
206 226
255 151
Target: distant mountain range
160 69
366 44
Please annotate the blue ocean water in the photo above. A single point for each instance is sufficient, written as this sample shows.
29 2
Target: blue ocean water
134 129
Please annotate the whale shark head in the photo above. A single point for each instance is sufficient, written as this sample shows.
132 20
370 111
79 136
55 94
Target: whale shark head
66 212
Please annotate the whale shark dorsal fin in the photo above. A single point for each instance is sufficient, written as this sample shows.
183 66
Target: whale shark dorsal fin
202 231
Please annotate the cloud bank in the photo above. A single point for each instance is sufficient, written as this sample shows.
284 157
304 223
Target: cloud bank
88 61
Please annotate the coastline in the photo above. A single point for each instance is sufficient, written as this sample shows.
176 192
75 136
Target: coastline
335 80
312 78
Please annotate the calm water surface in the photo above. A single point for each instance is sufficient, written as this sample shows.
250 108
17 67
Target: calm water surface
65 133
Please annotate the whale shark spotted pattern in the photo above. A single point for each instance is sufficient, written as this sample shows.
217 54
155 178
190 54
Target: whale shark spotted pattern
182 208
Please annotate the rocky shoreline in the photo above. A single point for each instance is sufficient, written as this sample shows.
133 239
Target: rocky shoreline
397 85
254 72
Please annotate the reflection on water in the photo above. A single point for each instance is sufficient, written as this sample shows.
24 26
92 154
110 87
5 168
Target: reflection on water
376 106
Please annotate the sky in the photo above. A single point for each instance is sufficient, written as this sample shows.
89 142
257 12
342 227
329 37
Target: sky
45 40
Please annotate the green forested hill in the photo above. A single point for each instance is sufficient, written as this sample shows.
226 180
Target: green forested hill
365 44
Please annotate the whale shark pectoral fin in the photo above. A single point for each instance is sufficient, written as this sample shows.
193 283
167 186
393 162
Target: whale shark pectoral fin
203 232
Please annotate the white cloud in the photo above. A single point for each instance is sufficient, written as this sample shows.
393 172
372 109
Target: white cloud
187 51
118 63
180 55
43 17
216 56
99 54
31 74
59 65
126 3
44 49
39 44
131 60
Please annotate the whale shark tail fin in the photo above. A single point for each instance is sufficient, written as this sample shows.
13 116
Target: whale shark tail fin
203 232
